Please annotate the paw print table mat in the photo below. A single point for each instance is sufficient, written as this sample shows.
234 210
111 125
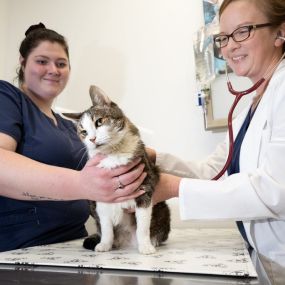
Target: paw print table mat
196 251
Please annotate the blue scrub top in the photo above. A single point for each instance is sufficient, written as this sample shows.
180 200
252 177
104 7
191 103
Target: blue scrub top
234 166
30 223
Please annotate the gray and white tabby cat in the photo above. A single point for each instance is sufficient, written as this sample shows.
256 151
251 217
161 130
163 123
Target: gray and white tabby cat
105 129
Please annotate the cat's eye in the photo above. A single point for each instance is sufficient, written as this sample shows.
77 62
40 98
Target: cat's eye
83 133
99 122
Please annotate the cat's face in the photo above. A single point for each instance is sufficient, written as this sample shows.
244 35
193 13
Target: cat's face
104 128
101 128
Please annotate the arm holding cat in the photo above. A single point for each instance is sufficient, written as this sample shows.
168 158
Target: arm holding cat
38 181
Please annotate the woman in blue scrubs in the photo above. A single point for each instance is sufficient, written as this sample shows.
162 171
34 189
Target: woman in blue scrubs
45 181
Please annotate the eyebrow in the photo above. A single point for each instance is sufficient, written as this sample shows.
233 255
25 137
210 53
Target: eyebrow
238 26
44 56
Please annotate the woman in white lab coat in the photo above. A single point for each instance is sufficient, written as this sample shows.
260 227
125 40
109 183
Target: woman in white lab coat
255 191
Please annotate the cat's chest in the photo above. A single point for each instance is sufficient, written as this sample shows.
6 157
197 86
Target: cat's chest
112 161
115 211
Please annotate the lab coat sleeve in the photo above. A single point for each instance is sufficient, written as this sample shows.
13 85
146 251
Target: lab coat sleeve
205 169
230 199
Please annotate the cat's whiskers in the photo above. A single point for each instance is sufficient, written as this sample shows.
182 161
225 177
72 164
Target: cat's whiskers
83 155
103 140
111 145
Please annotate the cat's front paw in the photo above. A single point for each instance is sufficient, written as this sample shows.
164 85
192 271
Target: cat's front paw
147 249
102 247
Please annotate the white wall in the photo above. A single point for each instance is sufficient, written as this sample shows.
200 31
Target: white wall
3 34
139 51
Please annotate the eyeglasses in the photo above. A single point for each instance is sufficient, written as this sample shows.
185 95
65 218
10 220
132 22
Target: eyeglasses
238 35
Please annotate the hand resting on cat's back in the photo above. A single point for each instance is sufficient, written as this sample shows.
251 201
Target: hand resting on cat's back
105 129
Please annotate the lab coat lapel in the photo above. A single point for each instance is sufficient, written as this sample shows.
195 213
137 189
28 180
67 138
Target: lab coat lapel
251 146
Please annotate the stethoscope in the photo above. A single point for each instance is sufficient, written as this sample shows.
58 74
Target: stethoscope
238 95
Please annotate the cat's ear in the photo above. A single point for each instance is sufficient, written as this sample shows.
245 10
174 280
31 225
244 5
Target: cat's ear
98 96
73 116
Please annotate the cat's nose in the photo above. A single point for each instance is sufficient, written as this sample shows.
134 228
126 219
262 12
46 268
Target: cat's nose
93 140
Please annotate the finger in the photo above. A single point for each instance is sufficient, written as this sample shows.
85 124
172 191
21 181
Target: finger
131 188
125 168
129 197
119 184
133 175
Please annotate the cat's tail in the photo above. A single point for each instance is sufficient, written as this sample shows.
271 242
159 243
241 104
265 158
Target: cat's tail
91 241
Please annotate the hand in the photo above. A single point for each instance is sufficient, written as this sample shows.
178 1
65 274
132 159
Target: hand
166 188
100 184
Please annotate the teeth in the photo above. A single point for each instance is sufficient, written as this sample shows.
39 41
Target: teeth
238 57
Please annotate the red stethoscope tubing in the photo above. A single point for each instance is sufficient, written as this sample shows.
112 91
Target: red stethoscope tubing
239 95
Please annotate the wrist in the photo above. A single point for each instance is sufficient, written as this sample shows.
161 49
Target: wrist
71 185
174 182
78 186
168 186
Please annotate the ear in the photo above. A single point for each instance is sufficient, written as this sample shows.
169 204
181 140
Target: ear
73 116
22 63
21 60
98 96
280 38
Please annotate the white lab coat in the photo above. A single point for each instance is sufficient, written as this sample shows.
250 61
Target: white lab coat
256 195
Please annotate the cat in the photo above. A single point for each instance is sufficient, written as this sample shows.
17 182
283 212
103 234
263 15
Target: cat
119 140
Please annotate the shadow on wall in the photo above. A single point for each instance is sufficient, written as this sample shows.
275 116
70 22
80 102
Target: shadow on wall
104 67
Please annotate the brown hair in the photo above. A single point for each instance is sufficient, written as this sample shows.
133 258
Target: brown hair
36 34
274 10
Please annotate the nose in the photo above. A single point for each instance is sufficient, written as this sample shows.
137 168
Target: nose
93 140
52 69
232 44
230 47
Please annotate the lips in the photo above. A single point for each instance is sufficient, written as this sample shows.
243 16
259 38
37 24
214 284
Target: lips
238 58
52 80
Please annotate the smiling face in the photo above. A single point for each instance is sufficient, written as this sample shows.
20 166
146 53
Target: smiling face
252 57
46 72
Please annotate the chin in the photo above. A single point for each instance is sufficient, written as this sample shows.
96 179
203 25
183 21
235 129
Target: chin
238 70
52 93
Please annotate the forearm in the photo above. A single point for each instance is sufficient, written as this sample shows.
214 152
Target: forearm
166 188
204 169
25 179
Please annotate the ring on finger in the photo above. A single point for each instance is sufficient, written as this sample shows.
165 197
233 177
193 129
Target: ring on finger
120 184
